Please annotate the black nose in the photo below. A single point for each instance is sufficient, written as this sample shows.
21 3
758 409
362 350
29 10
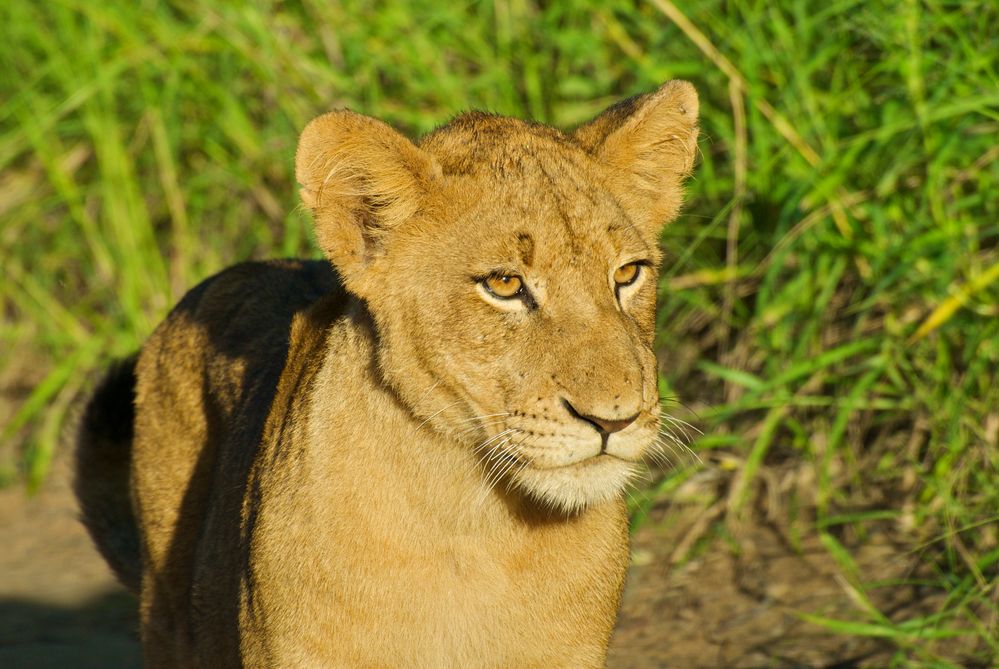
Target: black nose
604 426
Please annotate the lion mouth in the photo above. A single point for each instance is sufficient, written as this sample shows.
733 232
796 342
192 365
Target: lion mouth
588 461
572 486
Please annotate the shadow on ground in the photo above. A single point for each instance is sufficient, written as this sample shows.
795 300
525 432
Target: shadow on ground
101 632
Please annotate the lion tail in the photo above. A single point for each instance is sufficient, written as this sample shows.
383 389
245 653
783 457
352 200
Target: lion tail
103 464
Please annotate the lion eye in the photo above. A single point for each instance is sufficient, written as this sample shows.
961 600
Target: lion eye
504 286
625 275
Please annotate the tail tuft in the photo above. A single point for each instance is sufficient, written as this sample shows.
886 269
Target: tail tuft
103 464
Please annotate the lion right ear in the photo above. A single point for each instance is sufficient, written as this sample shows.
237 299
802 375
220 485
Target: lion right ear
361 179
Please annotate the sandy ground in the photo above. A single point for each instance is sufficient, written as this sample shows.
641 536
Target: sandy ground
60 606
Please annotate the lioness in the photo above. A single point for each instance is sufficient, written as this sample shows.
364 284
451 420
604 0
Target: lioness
413 455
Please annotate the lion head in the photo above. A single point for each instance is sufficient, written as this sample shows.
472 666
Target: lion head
510 269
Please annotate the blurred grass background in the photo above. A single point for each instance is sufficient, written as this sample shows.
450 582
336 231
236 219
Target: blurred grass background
830 302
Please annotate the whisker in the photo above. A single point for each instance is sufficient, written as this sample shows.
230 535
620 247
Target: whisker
636 472
681 423
668 425
485 423
685 445
667 435
496 453
667 430
492 439
689 410
642 498
684 448
522 465
672 446
496 469
659 455
488 463
474 418
522 462
434 415
505 469
427 392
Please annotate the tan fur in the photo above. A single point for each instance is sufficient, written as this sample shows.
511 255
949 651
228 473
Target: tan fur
384 466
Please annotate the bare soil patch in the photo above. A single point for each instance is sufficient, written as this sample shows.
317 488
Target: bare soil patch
59 604
739 604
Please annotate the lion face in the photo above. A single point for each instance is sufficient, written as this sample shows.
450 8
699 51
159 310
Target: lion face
540 358
511 272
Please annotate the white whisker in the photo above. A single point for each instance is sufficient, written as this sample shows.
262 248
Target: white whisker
439 411
675 449
427 392
491 439
659 455
496 468
480 426
475 418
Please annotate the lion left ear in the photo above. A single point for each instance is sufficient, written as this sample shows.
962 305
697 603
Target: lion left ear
649 143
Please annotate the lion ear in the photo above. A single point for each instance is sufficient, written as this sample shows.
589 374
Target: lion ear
361 179
649 143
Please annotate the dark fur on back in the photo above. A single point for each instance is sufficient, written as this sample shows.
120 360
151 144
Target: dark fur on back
103 462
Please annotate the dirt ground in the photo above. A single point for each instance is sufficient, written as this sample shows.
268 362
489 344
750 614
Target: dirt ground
60 606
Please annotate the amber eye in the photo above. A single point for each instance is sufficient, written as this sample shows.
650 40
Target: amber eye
625 275
504 286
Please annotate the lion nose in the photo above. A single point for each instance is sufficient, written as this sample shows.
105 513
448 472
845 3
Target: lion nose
603 425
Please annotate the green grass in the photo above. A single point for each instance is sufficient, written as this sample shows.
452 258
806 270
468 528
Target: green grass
830 299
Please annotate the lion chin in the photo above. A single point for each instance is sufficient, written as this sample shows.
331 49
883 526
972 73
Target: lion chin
573 488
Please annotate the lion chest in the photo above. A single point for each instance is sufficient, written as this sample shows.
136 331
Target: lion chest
412 597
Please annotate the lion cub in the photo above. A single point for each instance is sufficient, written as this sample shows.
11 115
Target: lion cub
412 455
